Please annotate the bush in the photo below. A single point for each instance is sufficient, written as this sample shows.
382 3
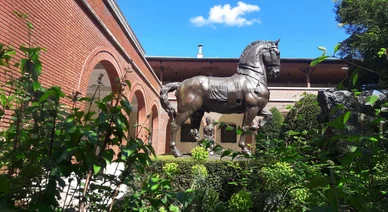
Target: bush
272 129
303 115
199 154
241 201
223 177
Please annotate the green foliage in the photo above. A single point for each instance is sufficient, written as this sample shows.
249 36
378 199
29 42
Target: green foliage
171 169
199 154
46 145
199 172
366 23
241 201
224 177
272 129
303 115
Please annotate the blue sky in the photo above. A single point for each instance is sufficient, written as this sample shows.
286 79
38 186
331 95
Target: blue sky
176 27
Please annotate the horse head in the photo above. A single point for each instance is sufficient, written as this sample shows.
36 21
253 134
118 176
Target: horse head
260 56
271 59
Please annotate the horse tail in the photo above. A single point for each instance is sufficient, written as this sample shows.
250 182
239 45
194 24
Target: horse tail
166 105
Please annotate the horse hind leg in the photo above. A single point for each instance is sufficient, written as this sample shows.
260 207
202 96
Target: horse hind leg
175 124
247 123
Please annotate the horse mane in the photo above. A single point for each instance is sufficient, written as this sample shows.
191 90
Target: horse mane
250 45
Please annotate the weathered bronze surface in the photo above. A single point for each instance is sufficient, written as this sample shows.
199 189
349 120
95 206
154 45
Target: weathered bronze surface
244 92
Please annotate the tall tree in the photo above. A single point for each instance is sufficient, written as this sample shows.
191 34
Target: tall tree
366 22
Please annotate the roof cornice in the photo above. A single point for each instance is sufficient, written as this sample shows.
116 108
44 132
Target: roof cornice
124 23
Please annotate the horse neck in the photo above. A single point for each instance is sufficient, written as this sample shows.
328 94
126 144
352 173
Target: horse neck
258 73
251 63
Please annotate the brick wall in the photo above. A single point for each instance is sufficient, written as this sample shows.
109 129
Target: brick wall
75 43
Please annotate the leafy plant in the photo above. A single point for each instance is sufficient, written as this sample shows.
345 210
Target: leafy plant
56 155
199 154
240 201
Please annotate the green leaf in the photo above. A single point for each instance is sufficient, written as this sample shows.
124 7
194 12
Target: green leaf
36 85
229 128
55 172
122 122
29 25
358 203
318 60
226 153
373 99
96 168
352 148
337 47
173 208
322 48
128 151
318 181
346 117
10 52
222 124
289 107
126 105
5 185
92 136
107 155
233 183
155 187
355 78
326 208
337 123
128 83
46 95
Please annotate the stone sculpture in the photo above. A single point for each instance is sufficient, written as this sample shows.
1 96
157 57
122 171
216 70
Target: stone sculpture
361 111
244 92
208 134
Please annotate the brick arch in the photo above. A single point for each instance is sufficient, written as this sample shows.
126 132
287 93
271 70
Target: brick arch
141 113
108 60
154 122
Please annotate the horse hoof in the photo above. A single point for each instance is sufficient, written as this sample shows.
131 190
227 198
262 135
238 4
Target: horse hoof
253 128
176 153
246 152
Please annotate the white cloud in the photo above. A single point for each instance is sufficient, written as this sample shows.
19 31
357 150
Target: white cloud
230 16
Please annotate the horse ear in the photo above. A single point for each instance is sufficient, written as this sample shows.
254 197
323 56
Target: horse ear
277 42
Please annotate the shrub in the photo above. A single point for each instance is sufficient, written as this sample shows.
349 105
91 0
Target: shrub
272 129
303 115
220 174
241 201
199 154
171 169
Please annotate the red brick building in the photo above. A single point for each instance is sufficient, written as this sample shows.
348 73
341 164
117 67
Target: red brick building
83 38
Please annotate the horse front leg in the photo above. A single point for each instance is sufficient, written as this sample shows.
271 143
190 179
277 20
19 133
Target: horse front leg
267 117
249 115
196 119
175 124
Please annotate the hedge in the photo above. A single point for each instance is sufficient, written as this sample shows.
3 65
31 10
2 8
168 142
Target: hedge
221 174
303 115
272 128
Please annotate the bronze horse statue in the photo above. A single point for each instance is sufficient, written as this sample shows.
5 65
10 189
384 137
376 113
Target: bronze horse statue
244 92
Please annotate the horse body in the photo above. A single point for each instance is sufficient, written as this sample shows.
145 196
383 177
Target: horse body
244 92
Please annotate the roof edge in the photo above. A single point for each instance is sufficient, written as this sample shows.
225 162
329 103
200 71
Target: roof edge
123 21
